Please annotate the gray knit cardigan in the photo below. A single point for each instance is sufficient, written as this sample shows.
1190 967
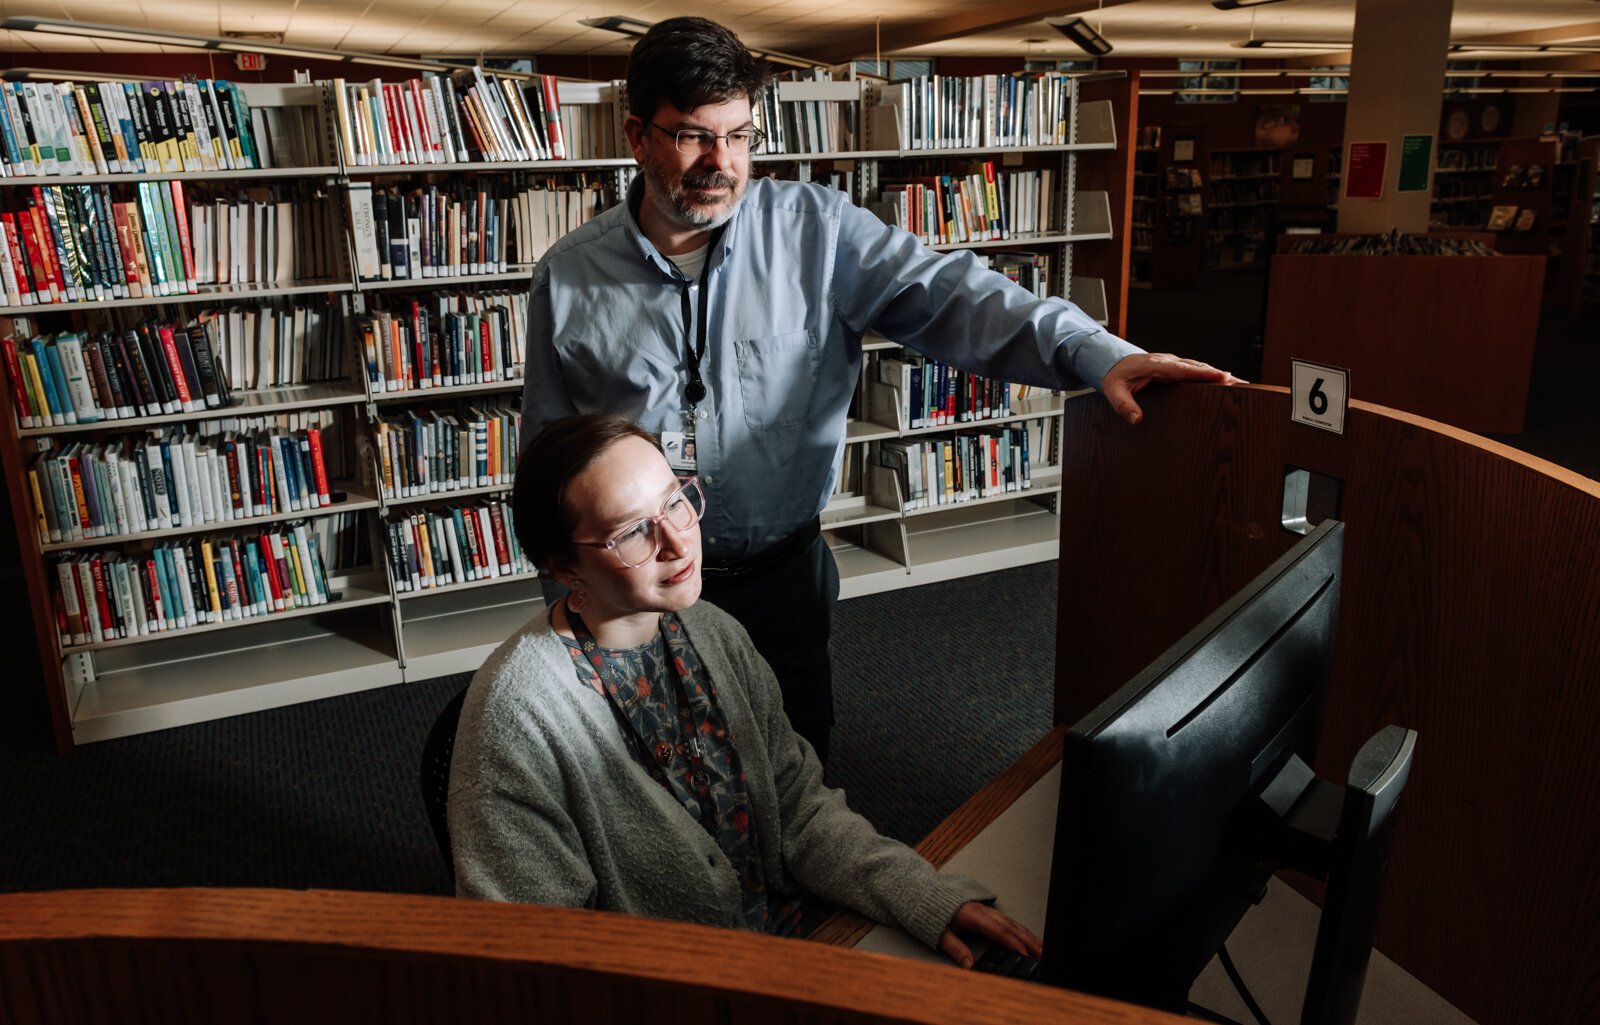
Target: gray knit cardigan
549 806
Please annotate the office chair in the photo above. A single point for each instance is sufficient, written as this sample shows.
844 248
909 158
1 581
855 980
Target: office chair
436 753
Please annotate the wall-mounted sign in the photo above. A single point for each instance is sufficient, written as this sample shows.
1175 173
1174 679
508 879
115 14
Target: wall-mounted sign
1363 179
1416 163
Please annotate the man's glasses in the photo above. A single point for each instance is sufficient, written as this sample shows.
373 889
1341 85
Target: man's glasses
638 543
701 142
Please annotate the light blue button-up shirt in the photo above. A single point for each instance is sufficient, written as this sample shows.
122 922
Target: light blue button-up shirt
799 275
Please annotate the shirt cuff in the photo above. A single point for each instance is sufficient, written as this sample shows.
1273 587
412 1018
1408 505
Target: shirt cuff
1093 357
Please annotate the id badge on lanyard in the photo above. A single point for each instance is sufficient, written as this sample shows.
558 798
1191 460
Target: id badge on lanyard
679 447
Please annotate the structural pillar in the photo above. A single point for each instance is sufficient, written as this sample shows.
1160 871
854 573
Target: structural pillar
1397 68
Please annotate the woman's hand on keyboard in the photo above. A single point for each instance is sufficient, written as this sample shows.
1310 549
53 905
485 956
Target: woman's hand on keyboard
975 917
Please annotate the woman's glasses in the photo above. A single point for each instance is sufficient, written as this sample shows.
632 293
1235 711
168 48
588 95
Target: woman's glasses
638 543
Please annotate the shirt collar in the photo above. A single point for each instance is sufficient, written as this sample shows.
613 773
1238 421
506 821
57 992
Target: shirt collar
648 249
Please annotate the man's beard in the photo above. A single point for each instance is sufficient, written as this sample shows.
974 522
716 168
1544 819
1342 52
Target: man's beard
672 196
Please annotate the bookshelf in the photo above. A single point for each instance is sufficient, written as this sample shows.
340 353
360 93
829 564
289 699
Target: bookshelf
1146 203
1522 196
371 628
1241 198
352 629
1586 217
888 526
1572 220
1177 241
1463 184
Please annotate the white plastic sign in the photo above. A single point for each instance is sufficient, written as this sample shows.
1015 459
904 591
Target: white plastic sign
1318 395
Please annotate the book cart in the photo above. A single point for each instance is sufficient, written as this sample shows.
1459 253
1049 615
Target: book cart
409 454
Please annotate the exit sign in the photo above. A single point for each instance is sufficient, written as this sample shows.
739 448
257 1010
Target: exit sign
250 61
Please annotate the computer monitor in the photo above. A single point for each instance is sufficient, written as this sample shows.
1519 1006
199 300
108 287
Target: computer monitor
1186 790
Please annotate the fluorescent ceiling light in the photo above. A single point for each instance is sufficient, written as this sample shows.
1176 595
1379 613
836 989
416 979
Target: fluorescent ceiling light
1078 30
619 23
1345 73
637 27
1467 47
155 37
1234 5
1295 44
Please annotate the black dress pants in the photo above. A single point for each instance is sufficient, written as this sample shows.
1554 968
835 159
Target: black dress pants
786 605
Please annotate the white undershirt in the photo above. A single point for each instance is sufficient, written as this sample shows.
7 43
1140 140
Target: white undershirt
692 262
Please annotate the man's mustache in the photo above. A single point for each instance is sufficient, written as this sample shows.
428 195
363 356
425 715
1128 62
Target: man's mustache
709 180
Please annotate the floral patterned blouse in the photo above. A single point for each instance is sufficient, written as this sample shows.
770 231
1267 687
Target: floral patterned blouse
644 698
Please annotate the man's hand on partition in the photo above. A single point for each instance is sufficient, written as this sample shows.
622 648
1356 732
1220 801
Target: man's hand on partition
1128 376
977 918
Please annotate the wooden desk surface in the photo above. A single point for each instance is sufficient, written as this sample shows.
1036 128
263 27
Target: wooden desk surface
305 957
955 832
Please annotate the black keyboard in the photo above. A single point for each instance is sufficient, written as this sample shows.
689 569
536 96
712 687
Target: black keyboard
997 960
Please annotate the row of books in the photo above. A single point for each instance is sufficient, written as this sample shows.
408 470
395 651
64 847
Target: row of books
935 394
109 595
1236 218
479 227
841 178
805 126
1030 270
67 128
961 468
454 545
171 479
1477 158
468 115
73 243
984 205
151 370
279 343
437 452
268 235
1234 193
1244 165
444 341
944 111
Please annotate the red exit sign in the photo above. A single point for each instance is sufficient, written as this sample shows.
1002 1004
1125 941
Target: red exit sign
250 61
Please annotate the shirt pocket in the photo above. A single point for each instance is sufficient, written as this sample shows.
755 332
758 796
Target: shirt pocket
777 376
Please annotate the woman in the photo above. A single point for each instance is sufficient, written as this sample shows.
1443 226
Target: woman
627 750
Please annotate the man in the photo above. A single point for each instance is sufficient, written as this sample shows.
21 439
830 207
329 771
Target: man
727 317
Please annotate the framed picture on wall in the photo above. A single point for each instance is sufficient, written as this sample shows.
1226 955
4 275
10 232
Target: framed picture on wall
1277 125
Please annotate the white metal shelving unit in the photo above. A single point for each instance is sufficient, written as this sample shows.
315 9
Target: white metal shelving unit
373 636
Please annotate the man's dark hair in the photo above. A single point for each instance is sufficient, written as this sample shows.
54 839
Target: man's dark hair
690 62
548 466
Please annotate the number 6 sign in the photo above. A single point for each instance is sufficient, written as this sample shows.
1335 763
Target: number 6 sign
1318 395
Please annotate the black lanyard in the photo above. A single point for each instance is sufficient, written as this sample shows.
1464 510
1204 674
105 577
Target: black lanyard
696 391
656 759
